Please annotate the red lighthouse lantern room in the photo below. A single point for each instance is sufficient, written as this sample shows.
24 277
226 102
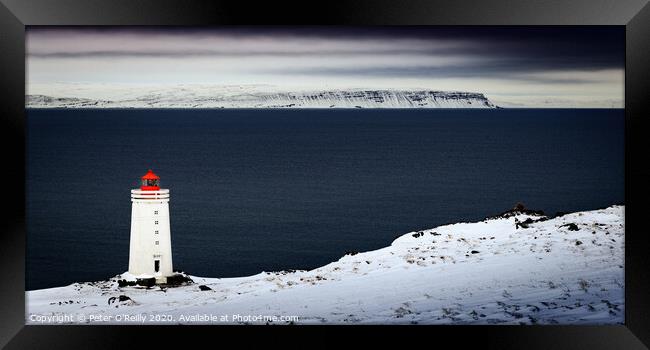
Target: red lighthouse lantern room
150 182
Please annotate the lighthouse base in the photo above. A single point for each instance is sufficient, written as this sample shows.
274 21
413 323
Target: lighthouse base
174 280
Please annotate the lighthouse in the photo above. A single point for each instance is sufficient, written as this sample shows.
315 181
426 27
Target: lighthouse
150 253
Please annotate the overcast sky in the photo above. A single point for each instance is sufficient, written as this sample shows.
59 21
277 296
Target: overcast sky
577 66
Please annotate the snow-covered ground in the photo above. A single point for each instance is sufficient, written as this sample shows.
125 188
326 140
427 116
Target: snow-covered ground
566 270
241 96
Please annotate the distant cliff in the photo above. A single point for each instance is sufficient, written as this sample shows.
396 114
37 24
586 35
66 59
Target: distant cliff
246 97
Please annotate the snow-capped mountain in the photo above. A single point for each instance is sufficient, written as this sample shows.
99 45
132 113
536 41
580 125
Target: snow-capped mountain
515 268
256 96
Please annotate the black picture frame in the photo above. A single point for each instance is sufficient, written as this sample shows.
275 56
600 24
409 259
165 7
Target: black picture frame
16 14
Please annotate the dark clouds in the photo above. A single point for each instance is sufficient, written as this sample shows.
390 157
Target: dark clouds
566 59
505 49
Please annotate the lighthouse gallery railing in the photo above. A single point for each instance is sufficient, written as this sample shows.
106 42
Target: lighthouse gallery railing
141 194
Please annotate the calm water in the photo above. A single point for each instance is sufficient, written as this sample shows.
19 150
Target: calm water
263 190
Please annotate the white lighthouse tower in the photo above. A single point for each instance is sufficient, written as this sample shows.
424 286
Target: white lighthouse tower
150 253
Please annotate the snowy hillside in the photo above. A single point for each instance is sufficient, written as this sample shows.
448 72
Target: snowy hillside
255 96
511 269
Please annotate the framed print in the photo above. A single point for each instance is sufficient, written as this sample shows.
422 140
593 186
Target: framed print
180 171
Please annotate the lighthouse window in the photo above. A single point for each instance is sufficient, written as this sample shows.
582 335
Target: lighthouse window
156 265
156 222
150 182
156 242
155 212
156 232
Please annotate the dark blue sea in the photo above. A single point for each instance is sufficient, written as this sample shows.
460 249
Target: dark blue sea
265 190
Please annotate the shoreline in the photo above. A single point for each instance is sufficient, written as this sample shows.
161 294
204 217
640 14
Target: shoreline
549 272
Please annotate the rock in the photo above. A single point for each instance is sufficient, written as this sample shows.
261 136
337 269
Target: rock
578 243
474 252
121 298
571 226
124 283
204 287
517 210
146 282
353 252
527 222
178 279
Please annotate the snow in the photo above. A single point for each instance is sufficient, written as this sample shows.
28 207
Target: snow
487 272
242 96
132 278
557 101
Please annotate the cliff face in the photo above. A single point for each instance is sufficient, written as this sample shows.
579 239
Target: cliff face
246 97
373 99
